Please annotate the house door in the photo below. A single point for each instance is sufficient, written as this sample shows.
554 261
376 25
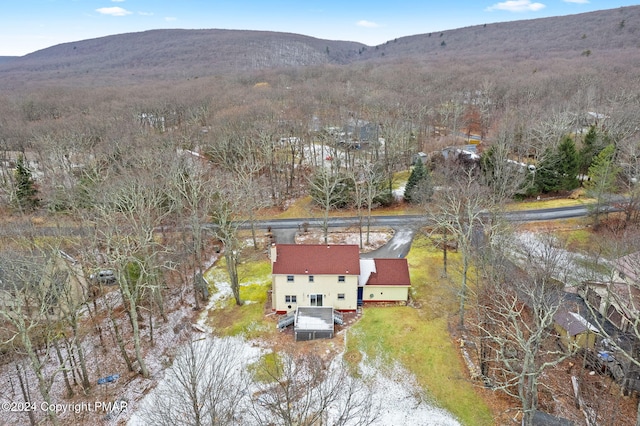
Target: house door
316 300
360 291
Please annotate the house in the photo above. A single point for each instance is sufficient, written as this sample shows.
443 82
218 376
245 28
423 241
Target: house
42 286
306 275
574 330
618 300
314 275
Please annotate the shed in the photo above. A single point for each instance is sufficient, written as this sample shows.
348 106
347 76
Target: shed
574 329
314 322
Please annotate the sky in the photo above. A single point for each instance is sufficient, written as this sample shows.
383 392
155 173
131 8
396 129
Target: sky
30 25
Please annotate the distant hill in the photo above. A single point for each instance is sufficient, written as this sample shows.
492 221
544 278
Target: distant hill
170 54
180 53
570 35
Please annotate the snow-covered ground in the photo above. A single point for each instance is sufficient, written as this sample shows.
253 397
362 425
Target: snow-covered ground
569 267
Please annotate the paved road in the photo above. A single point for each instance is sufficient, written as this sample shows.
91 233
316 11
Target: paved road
405 226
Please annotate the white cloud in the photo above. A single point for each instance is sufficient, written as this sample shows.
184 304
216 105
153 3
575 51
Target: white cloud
145 13
577 1
367 24
170 18
517 6
113 11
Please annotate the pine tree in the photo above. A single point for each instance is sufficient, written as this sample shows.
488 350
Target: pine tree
593 143
558 170
603 173
546 178
569 165
418 188
26 191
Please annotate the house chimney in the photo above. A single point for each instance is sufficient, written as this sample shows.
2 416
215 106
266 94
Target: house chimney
273 253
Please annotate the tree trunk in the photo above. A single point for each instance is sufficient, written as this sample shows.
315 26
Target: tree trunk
119 341
63 367
25 394
83 364
43 386
463 287
133 313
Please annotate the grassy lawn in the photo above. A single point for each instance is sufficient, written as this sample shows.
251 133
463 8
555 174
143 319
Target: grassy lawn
548 204
419 339
229 319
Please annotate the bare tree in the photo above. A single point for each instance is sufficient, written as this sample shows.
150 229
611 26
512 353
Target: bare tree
615 304
206 385
459 209
368 181
194 190
304 390
516 313
27 310
128 213
629 161
226 220
329 189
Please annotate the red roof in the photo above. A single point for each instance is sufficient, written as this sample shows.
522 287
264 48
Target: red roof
317 259
390 272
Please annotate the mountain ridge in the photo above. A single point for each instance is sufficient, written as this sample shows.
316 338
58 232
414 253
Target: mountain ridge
183 53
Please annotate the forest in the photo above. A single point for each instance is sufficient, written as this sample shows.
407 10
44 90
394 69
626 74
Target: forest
117 193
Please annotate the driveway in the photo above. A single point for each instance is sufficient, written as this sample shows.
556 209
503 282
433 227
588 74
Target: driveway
397 247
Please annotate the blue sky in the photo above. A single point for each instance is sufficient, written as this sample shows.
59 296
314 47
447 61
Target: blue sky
30 25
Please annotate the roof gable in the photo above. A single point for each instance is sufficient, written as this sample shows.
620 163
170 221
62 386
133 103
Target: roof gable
317 259
390 272
574 323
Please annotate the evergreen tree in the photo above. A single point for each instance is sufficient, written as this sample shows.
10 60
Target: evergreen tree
26 191
569 164
604 174
418 186
593 143
558 170
546 178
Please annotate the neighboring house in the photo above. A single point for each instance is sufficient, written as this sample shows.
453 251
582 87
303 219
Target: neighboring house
574 330
618 300
334 275
45 287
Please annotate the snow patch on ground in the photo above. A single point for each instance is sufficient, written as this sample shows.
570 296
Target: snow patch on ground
402 238
570 266
403 402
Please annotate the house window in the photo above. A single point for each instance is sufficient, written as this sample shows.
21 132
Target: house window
310 278
614 316
593 298
291 299
340 278
340 296
289 278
